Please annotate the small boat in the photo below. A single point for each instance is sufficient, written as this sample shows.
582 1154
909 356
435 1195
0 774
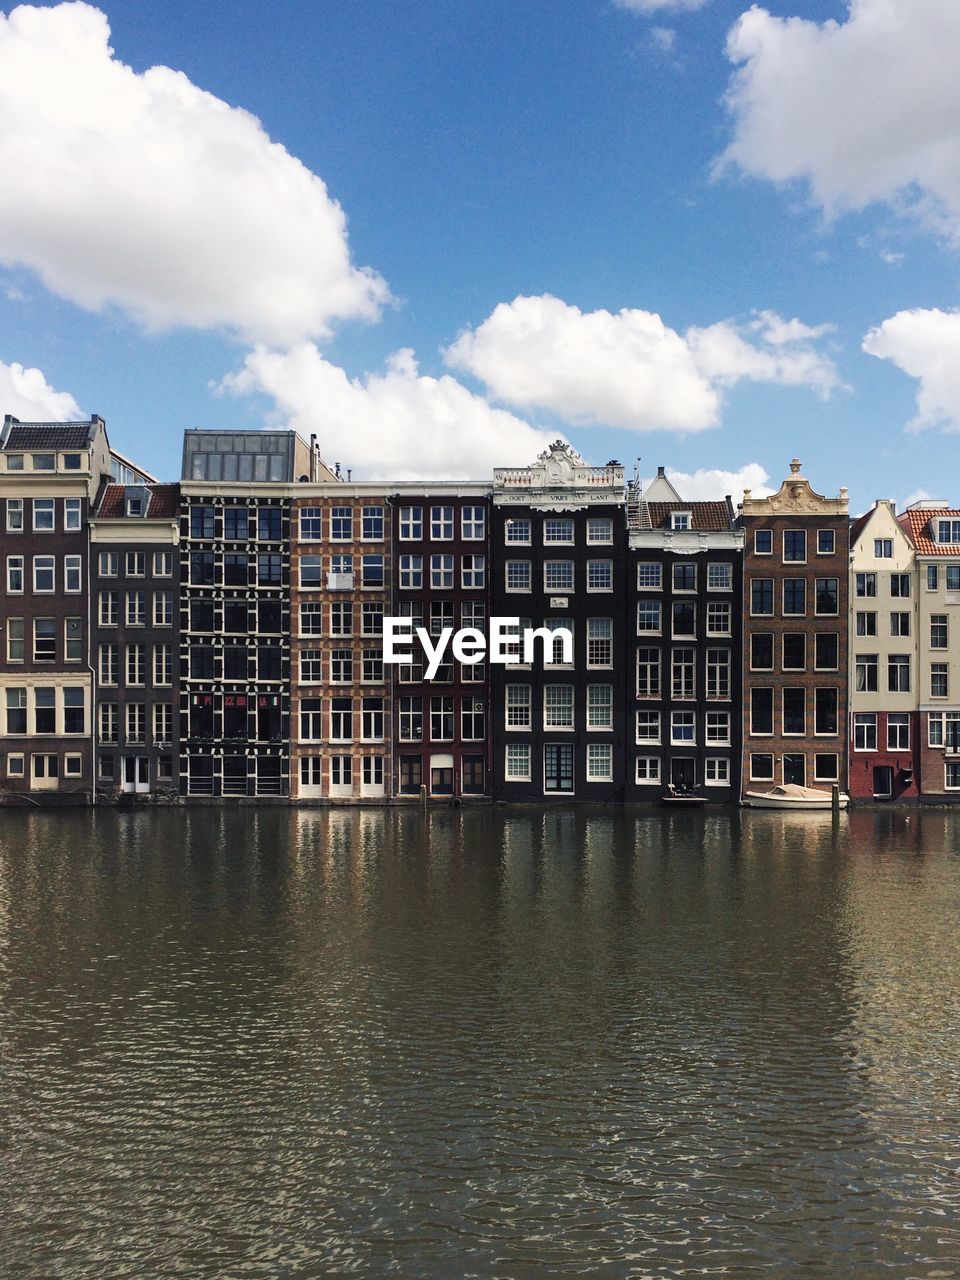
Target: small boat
677 796
791 796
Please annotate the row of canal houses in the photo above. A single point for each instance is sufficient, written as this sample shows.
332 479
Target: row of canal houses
222 637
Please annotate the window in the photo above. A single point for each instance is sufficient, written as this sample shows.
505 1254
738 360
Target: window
952 775
763 542
898 673
74 714
718 727
109 664
900 585
684 673
684 576
794 597
864 731
826 542
201 522
558 768
411 775
72 513
373 771
599 706
948 530
341 771
716 771
311 665
14 515
718 674
557 531
794 546
136 664
441 615
371 571
341 719
44 462
825 711
371 618
938 680
371 668
473 525
108 608
898 732
108 722
163 663
371 524
761 767
517 531
866 623
953 577
794 651
883 548
44 574
43 515
599 575
599 642
16 711
761 597
558 575
201 568
517 763
679 520
599 530
441 524
761 651
411 719
163 608
411 524
558 706
45 710
136 609
648 726
15 575
44 640
16 640
269 568
441 719
683 730
794 712
648 769
648 673
866 584
719 618
867 669
441 573
761 711
108 564
518 706
472 720
826 767
899 624
649 577
599 762
684 618
72 575
163 722
518 575
473 572
827 596
163 564
932 577
411 572
648 616
719 577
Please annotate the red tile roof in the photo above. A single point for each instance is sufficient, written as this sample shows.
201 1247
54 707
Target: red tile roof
164 501
916 525
710 516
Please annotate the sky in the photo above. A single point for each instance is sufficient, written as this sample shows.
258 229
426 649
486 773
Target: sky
440 236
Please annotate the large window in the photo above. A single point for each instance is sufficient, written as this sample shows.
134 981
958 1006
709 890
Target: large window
684 576
827 596
473 524
761 651
518 706
938 631
517 763
558 575
794 597
599 575
411 719
684 680
649 577
411 572
599 641
558 706
648 616
341 524
761 711
794 546
411 524
558 531
518 575
648 673
864 731
826 703
794 712
599 762
441 719
648 726
867 669
898 732
898 673
371 524
599 706
866 584
761 597
441 524
718 674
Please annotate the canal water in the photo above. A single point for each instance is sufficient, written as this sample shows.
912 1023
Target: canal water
278 1043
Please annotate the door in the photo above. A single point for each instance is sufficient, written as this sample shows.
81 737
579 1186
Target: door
558 768
45 773
683 773
883 781
135 774
795 770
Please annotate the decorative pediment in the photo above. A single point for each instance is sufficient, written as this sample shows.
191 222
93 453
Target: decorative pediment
796 497
560 469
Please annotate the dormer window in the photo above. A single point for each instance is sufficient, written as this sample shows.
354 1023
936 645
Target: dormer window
71 461
948 531
134 506
680 520
44 462
135 503
15 462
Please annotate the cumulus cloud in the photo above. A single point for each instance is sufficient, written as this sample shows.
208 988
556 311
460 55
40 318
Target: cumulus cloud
655 6
27 395
926 345
629 369
863 110
144 191
415 427
708 484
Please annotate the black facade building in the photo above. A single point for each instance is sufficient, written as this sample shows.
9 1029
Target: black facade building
559 550
685 581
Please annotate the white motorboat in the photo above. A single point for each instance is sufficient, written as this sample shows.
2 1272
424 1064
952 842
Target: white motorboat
791 796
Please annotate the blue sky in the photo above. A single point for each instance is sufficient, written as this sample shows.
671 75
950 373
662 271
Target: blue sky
537 219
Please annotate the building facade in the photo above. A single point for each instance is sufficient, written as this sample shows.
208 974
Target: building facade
795 631
558 546
684 592
884 659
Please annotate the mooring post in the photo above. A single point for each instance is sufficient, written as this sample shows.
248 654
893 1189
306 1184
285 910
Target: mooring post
423 796
835 792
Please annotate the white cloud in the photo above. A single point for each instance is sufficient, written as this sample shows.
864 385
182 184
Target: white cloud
918 495
708 484
26 394
629 369
663 39
397 423
142 190
655 6
926 345
863 110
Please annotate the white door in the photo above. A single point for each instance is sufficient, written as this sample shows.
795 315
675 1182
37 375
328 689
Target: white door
135 774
